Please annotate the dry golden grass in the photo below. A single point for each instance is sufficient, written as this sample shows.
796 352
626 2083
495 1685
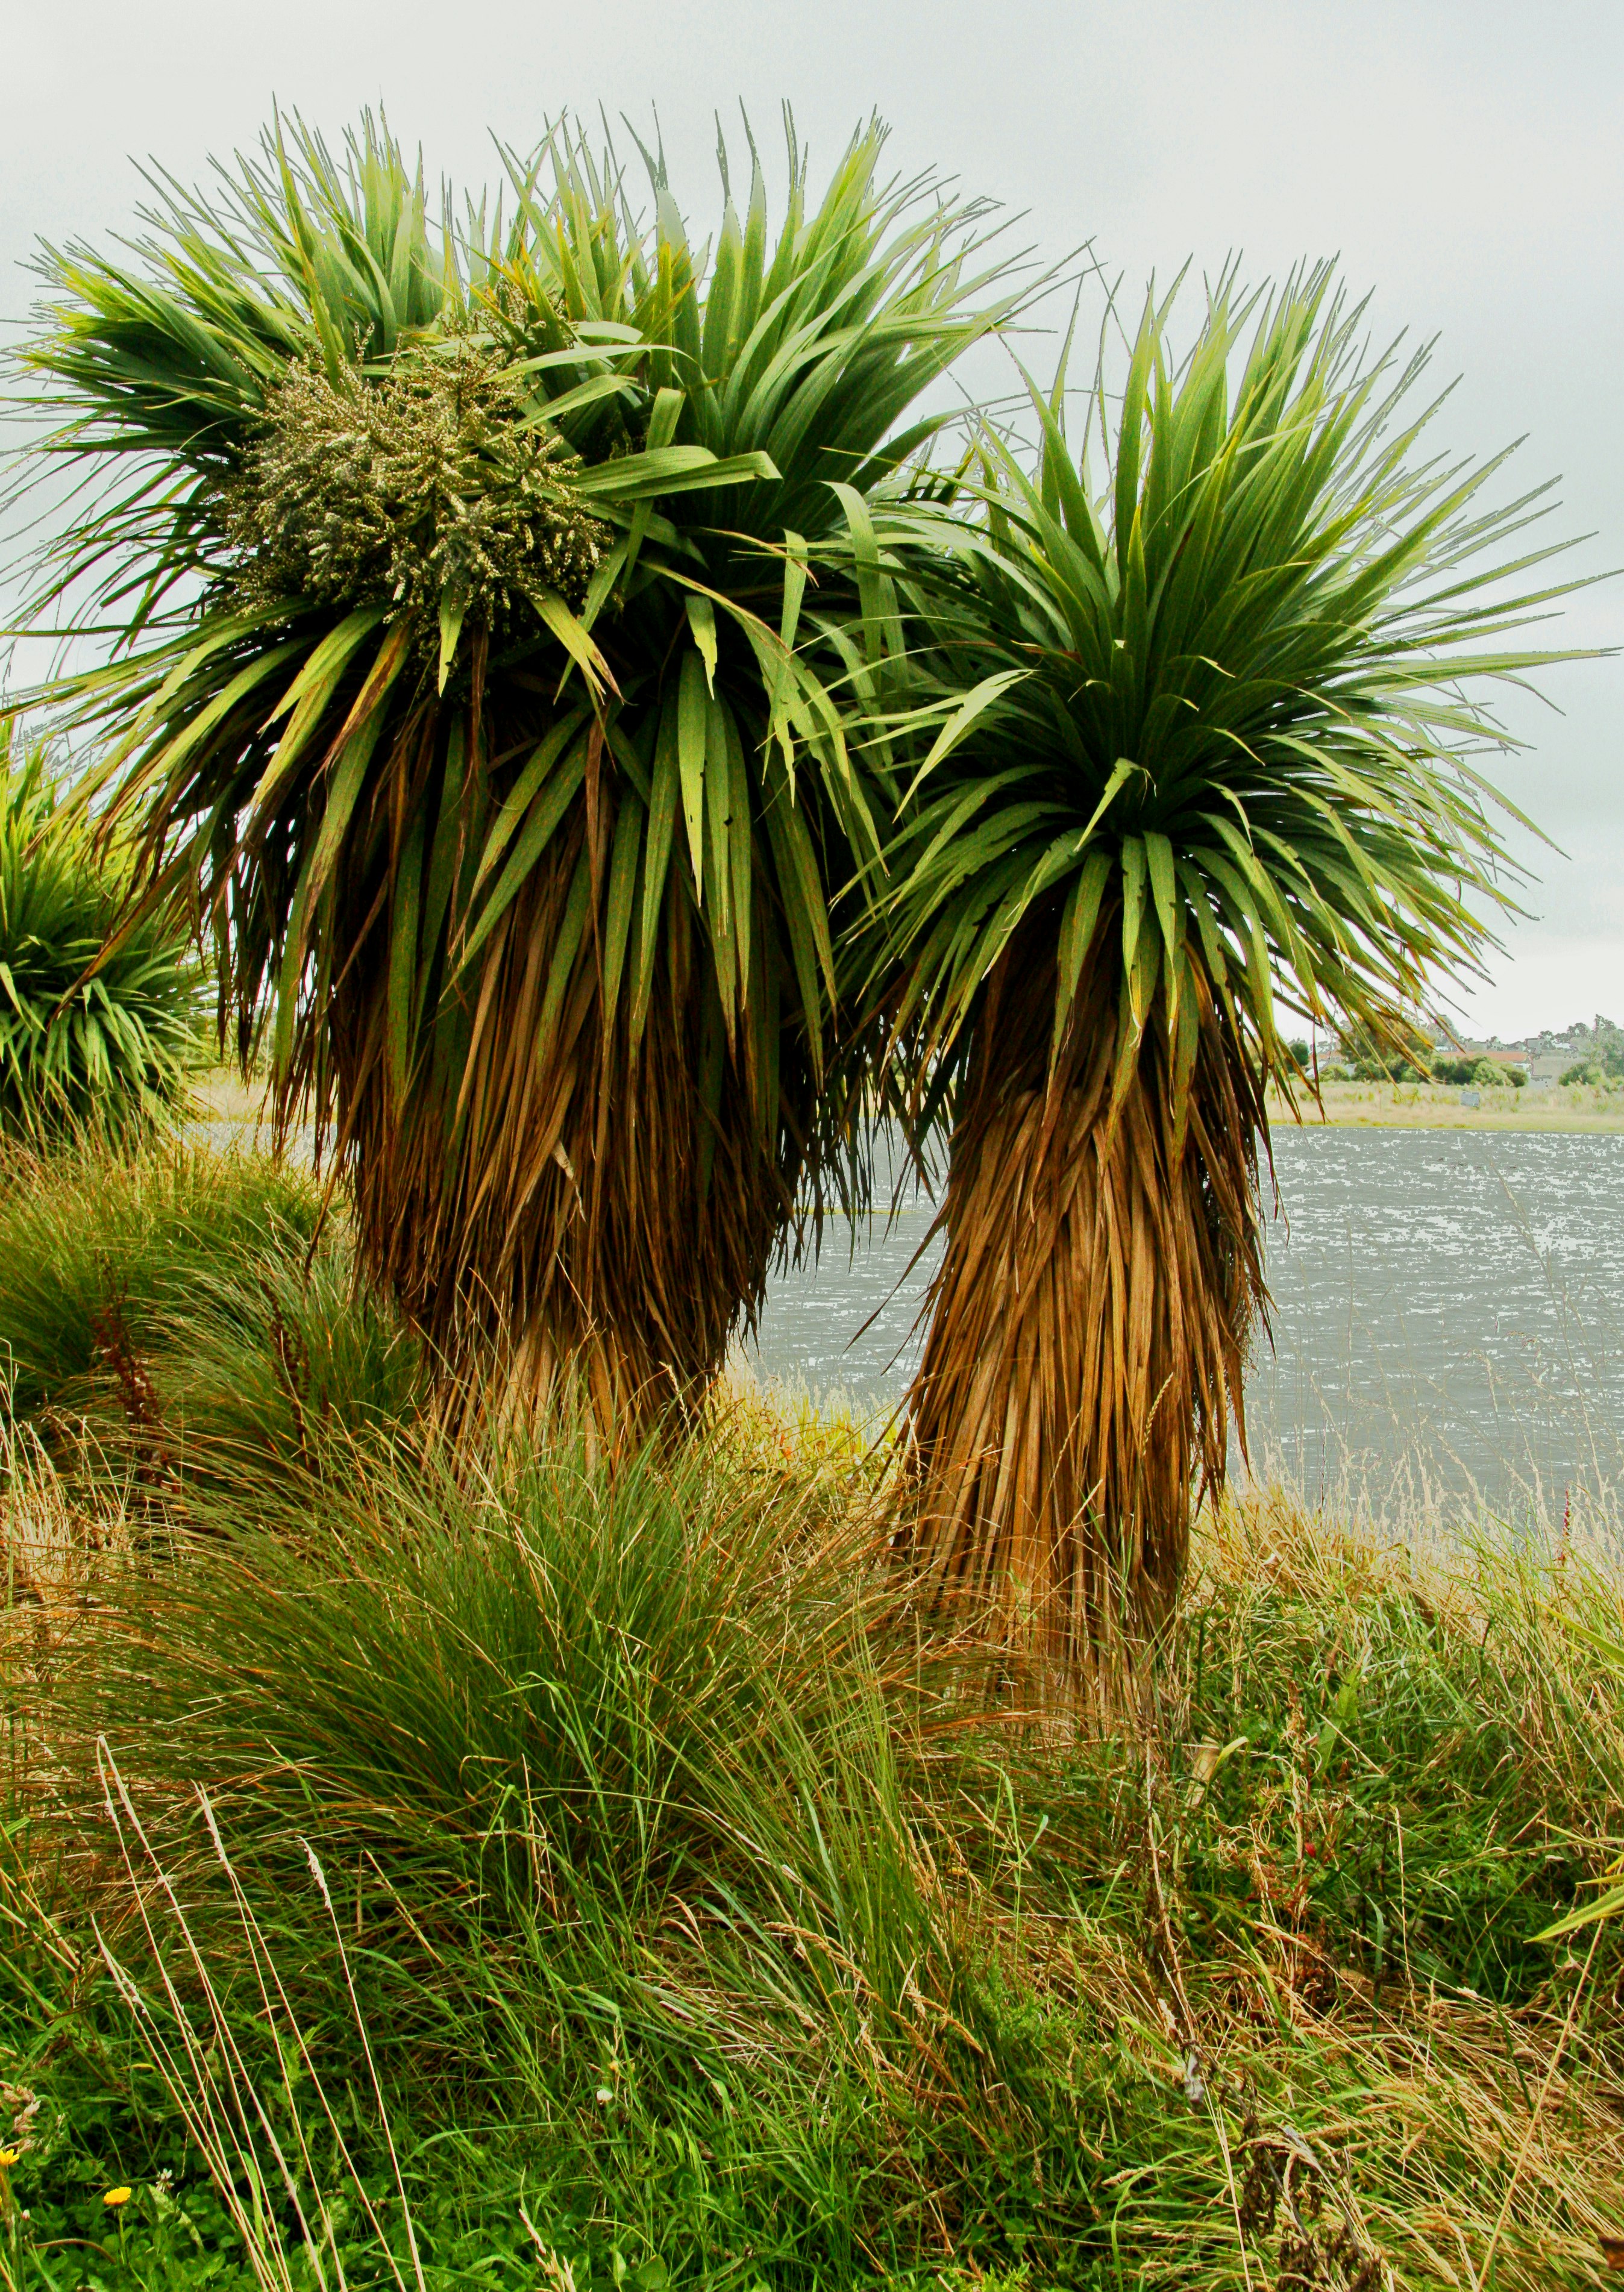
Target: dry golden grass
56 1554
1425 1106
224 1096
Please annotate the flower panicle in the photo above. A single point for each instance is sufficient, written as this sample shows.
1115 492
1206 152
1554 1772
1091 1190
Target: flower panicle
431 485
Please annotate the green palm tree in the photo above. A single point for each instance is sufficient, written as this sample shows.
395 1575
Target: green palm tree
466 681
88 1040
1204 747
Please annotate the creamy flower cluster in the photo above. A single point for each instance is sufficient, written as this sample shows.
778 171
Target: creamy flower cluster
431 485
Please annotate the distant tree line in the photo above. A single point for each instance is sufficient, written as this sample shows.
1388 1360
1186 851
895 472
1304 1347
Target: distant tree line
1600 1052
1597 1061
1358 1062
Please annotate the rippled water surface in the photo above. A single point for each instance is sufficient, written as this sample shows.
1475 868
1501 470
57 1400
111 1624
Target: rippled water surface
1450 1302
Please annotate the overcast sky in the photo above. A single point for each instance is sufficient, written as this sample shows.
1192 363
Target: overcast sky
1463 157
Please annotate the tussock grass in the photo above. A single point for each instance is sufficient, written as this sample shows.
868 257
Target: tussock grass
693 1906
596 1872
1385 1709
56 1557
177 1315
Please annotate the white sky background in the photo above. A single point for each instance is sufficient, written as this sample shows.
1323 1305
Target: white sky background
1464 157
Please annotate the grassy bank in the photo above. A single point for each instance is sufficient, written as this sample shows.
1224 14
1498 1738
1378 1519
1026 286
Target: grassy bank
223 1097
1427 1106
430 1871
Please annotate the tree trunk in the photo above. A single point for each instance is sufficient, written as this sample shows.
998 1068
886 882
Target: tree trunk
1089 1321
553 1203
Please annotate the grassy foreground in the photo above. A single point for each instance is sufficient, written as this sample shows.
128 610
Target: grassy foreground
430 1871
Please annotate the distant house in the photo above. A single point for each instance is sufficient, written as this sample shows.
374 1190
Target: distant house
1533 1063
1543 1057
1598 1044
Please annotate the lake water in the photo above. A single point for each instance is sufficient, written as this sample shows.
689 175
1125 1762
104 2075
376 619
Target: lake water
1449 1316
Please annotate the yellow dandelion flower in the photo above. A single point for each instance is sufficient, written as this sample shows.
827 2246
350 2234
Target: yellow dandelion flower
8 2158
115 2197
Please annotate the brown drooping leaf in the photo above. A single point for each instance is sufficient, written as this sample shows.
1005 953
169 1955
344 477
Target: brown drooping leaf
1090 1318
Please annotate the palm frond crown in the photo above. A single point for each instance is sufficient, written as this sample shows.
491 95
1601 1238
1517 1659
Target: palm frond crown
1231 700
469 676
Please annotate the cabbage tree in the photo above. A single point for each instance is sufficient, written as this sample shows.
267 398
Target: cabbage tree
1208 718
88 1041
467 679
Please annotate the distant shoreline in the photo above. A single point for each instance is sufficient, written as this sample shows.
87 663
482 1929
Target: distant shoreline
1424 1106
224 1097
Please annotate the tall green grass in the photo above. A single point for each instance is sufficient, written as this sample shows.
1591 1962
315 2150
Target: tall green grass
190 1316
625 1859
624 1822
92 1035
603 1874
1418 1767
635 1836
